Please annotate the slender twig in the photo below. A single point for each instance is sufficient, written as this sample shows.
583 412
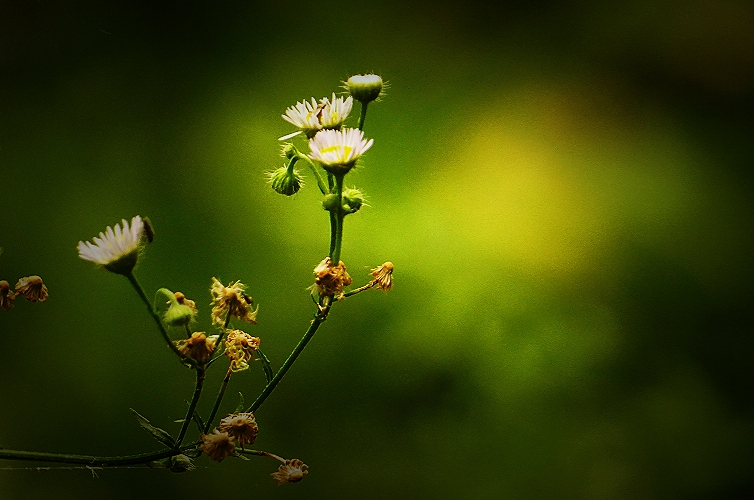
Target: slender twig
156 317
319 318
200 372
218 400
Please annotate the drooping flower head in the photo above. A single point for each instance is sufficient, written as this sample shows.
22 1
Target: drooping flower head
292 471
383 276
232 300
33 288
240 348
6 296
218 445
311 117
198 346
338 150
242 426
117 250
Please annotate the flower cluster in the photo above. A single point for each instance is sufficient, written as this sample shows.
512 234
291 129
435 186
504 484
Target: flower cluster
32 288
221 442
312 117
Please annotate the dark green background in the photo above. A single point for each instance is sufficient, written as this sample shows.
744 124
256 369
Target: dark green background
565 189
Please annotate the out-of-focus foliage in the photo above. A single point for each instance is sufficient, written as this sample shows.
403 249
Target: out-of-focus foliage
564 188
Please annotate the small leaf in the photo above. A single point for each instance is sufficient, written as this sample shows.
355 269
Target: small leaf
157 433
240 406
199 421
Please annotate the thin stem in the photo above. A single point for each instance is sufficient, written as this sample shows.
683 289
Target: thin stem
156 317
363 116
218 400
317 175
91 460
200 372
339 216
319 318
360 289
263 454
333 232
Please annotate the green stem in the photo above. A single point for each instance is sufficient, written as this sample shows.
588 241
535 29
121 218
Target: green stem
200 372
218 400
91 460
263 454
337 240
317 175
156 317
360 289
363 115
319 318
268 373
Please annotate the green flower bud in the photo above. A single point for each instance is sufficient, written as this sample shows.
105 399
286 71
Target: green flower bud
365 88
286 180
179 315
352 200
330 202
288 150
181 463
181 311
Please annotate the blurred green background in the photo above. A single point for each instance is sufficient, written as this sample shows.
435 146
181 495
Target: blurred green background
565 189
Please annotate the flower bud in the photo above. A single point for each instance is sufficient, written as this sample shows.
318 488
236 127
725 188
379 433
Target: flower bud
352 200
288 150
330 202
286 181
365 88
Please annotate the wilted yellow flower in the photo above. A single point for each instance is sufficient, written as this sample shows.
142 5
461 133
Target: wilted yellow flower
32 288
240 347
292 471
232 300
383 276
242 426
6 296
330 280
198 346
218 445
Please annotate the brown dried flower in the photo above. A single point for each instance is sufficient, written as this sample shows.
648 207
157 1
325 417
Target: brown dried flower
198 346
330 280
6 296
218 445
240 347
383 276
231 300
32 288
242 426
292 471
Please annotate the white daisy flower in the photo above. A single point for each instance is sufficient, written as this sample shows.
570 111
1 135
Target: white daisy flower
338 150
311 117
116 250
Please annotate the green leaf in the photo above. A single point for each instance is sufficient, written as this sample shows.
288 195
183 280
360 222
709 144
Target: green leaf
157 433
240 406
199 421
265 366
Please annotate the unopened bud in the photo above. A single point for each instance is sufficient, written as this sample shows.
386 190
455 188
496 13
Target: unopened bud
365 88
